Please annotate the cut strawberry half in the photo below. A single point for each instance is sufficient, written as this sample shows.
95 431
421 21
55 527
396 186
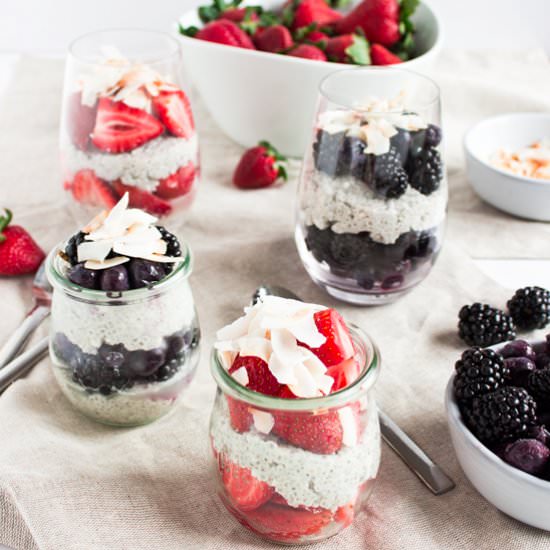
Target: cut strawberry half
178 184
174 110
120 128
139 198
287 524
260 378
88 189
344 373
339 345
80 120
318 433
239 415
245 491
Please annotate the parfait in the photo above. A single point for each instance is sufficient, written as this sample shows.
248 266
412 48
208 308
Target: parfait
127 126
294 430
373 192
124 331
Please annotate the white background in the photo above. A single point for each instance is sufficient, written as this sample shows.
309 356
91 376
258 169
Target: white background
47 26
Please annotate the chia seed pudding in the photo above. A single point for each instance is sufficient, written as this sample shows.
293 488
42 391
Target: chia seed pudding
124 332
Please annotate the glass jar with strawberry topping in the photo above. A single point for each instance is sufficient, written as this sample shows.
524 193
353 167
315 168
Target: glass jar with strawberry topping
127 126
294 430
124 331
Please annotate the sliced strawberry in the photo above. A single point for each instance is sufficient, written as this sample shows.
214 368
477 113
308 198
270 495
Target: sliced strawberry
120 128
139 198
344 373
239 415
88 189
260 378
279 499
338 345
245 491
382 56
287 524
318 433
174 109
178 184
345 514
80 120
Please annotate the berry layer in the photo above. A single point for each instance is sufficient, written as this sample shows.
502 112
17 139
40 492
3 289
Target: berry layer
303 478
143 167
348 205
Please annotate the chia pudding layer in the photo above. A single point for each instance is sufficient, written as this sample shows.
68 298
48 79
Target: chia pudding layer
142 167
347 205
302 477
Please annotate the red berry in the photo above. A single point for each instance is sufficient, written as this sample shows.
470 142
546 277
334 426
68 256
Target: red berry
307 12
308 51
318 433
348 48
259 167
274 39
245 491
223 31
120 128
379 20
237 15
174 111
344 373
88 189
260 378
80 120
239 415
19 253
139 198
178 184
382 56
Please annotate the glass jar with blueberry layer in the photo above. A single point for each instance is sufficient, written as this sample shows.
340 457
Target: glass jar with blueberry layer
373 192
123 357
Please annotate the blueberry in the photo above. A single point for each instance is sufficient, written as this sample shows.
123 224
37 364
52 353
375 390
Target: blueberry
433 136
114 279
417 142
529 455
113 359
402 143
64 348
540 433
154 359
518 348
143 272
542 361
88 278
519 367
175 344
392 282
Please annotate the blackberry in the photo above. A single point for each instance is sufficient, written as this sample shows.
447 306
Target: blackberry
390 179
538 383
432 136
346 250
173 247
530 307
500 416
72 245
478 372
483 325
318 242
426 171
329 153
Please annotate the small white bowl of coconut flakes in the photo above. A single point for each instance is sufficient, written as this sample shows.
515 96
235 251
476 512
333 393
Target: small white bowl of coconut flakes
508 163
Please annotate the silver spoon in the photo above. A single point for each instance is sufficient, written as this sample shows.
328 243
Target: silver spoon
412 455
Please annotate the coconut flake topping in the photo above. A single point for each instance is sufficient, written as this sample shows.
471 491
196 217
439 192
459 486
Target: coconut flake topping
271 330
128 232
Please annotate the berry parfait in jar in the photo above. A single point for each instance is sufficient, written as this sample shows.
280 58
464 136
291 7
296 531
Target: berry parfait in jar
294 429
124 331
127 126
373 193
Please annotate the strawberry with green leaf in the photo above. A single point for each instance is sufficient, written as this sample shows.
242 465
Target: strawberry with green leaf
259 167
301 13
348 48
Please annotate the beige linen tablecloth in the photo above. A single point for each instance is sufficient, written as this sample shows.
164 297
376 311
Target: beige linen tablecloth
68 483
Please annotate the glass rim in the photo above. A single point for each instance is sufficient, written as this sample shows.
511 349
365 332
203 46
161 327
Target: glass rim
175 45
382 70
60 282
364 382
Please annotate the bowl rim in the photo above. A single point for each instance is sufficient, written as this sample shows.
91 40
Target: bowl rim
454 418
470 151
431 52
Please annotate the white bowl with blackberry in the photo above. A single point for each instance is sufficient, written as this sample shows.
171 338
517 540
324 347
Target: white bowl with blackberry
498 407
124 330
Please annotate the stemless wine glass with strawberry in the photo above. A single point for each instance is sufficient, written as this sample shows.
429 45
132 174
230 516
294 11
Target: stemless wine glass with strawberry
127 125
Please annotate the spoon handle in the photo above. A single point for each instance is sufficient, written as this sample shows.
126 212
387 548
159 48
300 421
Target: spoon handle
414 457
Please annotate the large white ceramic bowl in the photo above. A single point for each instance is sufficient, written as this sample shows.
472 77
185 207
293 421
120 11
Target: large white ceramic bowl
516 493
254 95
521 196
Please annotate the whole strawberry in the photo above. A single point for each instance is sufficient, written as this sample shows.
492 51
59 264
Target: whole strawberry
223 31
307 51
19 253
275 39
302 13
382 56
379 20
259 167
348 48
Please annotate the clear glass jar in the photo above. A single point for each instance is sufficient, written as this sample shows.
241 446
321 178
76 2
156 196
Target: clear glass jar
372 198
115 139
297 489
123 358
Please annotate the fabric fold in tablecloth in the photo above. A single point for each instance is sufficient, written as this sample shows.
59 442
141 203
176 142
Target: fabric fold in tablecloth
68 483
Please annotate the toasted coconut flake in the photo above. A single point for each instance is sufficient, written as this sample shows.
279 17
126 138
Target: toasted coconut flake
95 223
111 262
263 421
349 426
241 376
93 250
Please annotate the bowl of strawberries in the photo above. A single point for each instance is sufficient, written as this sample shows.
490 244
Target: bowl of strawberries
258 67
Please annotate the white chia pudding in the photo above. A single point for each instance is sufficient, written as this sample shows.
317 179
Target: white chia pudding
142 167
302 477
